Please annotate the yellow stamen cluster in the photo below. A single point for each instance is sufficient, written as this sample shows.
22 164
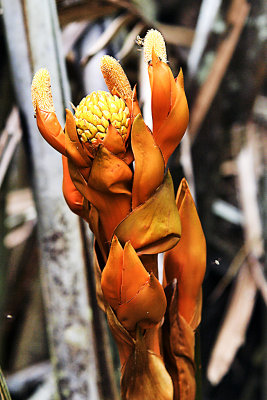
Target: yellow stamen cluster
41 91
95 112
115 77
154 40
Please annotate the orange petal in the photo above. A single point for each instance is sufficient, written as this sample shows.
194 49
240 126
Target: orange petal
132 267
109 174
140 300
173 128
180 79
111 279
78 177
149 163
187 260
154 226
101 246
113 141
74 149
73 197
160 81
50 129
135 109
146 308
128 157
169 107
107 188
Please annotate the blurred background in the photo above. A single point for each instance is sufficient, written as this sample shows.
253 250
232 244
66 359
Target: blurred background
221 47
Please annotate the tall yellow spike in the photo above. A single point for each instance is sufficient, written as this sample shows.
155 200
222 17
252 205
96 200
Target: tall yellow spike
115 77
41 91
154 40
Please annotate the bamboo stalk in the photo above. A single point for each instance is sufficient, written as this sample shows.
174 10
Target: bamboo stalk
8 143
32 35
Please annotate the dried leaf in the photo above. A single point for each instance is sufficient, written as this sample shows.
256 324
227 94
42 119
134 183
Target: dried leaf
233 330
107 36
236 18
178 347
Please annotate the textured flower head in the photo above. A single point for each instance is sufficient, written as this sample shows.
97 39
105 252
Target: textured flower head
96 111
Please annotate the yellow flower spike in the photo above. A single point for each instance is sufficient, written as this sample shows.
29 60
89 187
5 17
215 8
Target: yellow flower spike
41 91
47 121
187 260
115 77
154 41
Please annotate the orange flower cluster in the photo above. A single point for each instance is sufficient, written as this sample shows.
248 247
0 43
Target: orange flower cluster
114 176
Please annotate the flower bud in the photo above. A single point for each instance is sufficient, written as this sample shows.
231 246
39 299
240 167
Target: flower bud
136 296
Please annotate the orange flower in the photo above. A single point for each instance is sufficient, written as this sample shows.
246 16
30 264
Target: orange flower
187 260
132 212
168 101
136 296
97 161
101 118
102 139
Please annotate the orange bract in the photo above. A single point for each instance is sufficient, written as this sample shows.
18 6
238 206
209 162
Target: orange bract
187 260
169 106
136 301
115 177
149 163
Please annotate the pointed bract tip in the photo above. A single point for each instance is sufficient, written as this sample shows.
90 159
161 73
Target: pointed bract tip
41 91
154 40
180 78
